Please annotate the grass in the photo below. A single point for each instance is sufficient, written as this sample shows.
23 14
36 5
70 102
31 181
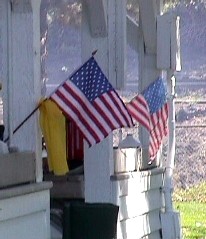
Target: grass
191 203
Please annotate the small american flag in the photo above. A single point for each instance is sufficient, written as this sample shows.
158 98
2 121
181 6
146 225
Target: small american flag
91 102
150 109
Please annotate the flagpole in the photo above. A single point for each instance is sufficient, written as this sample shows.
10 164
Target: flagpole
37 107
19 126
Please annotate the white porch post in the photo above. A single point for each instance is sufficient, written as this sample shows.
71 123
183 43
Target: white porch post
22 82
148 71
111 45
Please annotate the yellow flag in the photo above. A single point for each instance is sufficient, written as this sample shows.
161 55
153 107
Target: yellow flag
53 126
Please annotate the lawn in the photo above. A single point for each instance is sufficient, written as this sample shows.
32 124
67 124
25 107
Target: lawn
191 204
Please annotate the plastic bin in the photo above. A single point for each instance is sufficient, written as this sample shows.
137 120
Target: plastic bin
90 221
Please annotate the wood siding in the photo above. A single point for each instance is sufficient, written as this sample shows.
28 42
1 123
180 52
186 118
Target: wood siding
23 211
140 202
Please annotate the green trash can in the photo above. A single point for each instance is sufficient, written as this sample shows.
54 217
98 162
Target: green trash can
90 221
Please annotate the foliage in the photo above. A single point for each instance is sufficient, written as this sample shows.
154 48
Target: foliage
67 12
191 203
193 194
193 219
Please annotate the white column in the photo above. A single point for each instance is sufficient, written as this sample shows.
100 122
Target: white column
24 81
148 71
98 160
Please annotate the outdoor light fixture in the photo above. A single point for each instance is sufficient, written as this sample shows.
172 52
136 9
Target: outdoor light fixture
127 155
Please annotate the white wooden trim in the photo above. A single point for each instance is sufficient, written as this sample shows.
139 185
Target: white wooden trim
112 42
148 71
10 78
175 44
23 82
148 13
139 227
12 168
164 41
137 205
21 215
37 85
97 18
127 187
133 34
98 160
21 6
168 42
4 60
120 39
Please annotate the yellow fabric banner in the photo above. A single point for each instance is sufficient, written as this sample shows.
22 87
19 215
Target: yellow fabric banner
53 126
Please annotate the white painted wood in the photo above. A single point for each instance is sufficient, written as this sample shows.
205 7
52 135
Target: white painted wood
133 34
140 226
20 216
133 206
164 41
24 81
120 43
175 44
117 42
148 71
111 11
9 76
168 42
97 18
21 6
148 12
153 235
111 49
171 225
139 194
12 168
37 86
138 183
98 160
4 57
97 173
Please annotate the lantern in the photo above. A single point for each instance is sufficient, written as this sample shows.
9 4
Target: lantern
127 155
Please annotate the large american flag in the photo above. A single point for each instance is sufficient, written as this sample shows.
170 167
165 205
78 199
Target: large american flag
91 102
150 108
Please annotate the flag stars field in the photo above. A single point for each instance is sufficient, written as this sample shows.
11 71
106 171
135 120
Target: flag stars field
92 104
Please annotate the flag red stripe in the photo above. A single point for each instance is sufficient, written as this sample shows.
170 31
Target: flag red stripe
139 111
159 125
71 115
141 105
122 109
79 115
92 103
111 100
98 106
87 108
108 106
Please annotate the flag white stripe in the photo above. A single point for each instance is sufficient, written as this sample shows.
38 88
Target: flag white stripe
115 110
138 116
81 110
90 108
74 117
107 112
123 109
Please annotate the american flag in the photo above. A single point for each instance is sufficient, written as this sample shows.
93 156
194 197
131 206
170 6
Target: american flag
150 108
91 102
